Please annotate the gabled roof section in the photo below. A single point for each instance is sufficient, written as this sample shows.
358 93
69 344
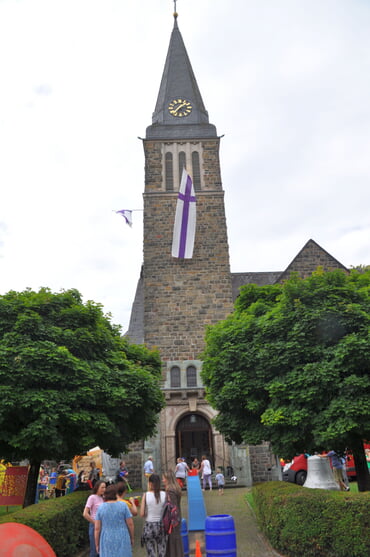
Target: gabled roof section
305 263
308 259
178 82
259 278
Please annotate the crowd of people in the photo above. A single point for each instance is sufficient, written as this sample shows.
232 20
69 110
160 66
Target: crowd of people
204 469
109 510
110 513
111 526
55 481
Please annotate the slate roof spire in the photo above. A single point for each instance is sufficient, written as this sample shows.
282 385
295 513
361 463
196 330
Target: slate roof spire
179 83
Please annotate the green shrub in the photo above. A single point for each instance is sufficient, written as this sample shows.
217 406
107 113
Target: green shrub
59 521
302 522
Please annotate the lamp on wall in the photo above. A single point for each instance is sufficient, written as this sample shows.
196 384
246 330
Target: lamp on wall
193 418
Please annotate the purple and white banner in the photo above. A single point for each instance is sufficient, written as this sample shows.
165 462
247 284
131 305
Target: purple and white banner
185 219
127 215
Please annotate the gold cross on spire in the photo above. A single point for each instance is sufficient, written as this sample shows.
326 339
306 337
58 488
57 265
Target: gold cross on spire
175 12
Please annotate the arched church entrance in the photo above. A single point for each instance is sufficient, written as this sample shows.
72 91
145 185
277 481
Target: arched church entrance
194 438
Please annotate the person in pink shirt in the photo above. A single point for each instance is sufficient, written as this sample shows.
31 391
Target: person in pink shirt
90 510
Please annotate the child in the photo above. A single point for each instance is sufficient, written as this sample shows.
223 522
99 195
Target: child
61 484
220 479
122 474
130 502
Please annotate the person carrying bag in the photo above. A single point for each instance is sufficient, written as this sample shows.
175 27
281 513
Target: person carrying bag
152 503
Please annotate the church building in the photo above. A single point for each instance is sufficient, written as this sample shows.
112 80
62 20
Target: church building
177 297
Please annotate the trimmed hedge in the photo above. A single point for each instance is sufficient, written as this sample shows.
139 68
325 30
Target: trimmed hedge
59 521
304 522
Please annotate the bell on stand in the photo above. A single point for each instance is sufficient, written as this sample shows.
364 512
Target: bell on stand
319 474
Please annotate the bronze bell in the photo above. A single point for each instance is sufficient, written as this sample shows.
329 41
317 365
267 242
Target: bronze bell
319 474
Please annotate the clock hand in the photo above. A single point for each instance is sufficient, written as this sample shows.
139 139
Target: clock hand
178 108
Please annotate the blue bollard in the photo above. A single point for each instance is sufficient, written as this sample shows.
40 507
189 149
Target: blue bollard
185 537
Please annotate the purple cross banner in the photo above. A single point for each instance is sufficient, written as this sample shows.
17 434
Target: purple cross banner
127 215
185 219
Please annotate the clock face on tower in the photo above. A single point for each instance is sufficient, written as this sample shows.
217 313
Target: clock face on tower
180 108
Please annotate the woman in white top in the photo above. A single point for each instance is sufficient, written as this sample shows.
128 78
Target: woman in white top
152 503
206 472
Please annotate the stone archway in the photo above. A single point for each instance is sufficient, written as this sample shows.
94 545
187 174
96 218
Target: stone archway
194 437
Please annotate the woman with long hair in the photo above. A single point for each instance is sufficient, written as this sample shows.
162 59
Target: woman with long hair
152 503
173 494
91 508
114 527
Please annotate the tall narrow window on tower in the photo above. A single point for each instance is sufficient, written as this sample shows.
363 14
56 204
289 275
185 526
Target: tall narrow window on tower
191 376
185 219
175 378
182 162
196 170
169 171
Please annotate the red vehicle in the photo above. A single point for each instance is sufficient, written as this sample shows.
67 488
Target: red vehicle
296 471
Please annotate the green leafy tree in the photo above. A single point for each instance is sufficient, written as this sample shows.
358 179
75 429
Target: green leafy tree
291 366
70 381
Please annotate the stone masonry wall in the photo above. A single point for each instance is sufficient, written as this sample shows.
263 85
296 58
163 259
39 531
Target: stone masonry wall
211 161
263 463
183 296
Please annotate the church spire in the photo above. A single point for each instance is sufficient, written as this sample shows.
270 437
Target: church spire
179 111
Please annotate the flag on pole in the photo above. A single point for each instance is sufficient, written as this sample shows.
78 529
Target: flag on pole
127 215
185 219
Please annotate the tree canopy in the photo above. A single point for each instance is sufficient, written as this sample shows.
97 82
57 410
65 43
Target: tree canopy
291 365
68 379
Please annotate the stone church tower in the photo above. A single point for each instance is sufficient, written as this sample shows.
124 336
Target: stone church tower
178 298
182 296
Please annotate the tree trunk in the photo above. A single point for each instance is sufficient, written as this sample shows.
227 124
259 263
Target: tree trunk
362 471
31 488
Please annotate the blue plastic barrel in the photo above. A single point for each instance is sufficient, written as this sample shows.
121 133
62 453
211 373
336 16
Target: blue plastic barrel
185 537
220 536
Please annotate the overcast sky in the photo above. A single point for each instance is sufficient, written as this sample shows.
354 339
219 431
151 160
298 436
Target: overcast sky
287 82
